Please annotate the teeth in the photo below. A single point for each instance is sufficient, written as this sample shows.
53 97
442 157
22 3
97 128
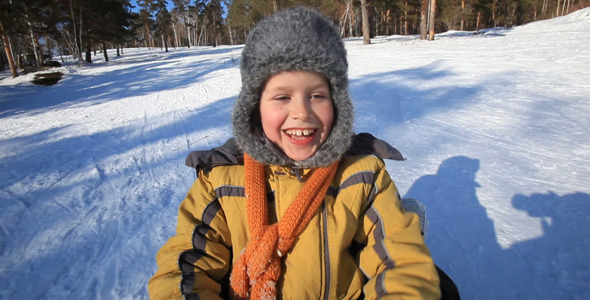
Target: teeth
304 132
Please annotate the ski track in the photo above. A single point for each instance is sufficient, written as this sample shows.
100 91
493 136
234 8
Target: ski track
494 127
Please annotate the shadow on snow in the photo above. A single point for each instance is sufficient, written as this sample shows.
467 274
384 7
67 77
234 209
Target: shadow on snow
83 201
152 72
404 95
464 243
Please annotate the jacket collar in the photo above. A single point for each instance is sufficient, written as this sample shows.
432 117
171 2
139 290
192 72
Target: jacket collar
230 154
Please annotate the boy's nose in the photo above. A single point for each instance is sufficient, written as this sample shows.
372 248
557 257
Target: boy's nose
300 109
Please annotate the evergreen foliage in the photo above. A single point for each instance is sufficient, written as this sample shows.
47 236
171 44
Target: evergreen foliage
37 30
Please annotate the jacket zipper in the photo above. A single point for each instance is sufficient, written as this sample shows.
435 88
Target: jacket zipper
326 253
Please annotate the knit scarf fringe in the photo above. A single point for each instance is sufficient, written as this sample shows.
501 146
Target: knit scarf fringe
257 270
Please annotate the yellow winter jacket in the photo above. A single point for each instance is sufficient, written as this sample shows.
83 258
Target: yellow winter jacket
359 244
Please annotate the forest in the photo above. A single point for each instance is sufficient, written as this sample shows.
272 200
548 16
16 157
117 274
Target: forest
45 32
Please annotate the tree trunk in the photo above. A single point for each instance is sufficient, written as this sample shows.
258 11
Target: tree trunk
104 51
8 49
147 37
462 15
164 43
203 36
366 25
49 46
544 7
423 20
494 19
351 18
35 44
275 6
406 18
88 53
77 42
80 35
229 30
34 38
189 35
387 21
431 19
345 18
188 31
506 14
176 44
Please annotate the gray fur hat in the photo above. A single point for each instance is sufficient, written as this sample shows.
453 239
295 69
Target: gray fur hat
298 39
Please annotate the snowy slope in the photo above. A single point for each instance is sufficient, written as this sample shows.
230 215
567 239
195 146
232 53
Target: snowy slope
494 126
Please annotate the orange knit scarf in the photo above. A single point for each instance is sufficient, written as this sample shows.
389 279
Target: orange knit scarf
258 268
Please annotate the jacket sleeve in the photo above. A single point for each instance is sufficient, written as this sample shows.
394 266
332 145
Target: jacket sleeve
395 259
197 258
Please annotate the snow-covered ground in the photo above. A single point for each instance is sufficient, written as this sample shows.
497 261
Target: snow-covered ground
494 127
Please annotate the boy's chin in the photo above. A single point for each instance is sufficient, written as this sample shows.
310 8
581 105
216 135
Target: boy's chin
301 155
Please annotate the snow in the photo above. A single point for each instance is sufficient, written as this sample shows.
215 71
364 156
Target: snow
493 124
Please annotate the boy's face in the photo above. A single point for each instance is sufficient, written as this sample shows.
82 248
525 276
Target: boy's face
296 112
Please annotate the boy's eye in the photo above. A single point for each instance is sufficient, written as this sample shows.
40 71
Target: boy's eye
318 97
282 98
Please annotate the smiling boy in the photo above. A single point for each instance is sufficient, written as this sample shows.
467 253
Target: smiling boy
296 112
296 206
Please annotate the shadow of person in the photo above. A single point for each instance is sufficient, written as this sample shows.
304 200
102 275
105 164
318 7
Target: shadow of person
461 236
557 264
463 241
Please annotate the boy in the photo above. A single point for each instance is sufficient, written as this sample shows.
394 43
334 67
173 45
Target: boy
296 206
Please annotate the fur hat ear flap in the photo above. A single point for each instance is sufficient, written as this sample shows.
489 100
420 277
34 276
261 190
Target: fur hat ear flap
298 39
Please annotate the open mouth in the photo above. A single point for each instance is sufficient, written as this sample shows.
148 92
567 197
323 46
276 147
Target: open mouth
300 134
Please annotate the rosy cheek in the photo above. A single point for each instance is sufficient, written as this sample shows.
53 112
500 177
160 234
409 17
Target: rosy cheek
327 117
271 124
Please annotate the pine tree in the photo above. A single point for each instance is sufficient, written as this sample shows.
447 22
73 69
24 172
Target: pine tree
146 19
9 15
113 23
214 20
181 12
163 20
